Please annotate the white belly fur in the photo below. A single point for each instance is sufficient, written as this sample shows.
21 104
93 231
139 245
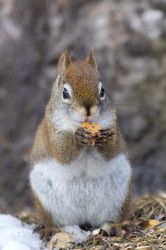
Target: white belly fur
88 191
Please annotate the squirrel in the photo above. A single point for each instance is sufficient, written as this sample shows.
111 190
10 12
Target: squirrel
74 183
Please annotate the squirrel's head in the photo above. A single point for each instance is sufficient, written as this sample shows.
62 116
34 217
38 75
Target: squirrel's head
78 93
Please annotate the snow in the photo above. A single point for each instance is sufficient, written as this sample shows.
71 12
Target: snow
77 233
16 235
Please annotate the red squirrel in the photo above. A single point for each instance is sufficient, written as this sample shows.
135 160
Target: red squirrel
74 183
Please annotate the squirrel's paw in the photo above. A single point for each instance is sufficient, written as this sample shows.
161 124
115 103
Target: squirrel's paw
104 136
116 229
46 233
83 136
99 231
112 229
108 229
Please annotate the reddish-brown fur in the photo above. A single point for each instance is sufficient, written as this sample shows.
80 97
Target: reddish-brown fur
83 78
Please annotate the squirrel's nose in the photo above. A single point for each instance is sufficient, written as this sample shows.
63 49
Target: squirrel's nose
87 110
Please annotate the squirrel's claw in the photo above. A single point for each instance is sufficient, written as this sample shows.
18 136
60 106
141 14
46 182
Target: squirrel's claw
47 233
102 140
118 229
105 135
106 132
83 136
38 228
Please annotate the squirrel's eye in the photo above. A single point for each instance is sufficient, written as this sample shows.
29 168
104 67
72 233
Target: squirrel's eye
66 94
102 92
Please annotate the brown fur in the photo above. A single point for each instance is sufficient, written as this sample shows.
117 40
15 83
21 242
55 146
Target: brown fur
63 145
126 208
44 218
46 228
114 146
50 142
82 74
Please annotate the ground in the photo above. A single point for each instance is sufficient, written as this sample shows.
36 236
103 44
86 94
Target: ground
145 231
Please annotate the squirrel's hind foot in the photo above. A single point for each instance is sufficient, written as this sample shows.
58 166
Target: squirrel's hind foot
116 229
46 233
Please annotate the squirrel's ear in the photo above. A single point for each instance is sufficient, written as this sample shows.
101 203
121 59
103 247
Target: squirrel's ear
92 60
64 62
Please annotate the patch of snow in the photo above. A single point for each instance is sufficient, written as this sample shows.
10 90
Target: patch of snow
8 221
15 235
14 245
77 233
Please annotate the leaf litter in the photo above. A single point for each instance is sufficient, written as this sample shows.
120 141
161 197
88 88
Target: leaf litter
145 231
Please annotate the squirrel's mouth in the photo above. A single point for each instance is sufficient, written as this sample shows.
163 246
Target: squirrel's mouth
80 121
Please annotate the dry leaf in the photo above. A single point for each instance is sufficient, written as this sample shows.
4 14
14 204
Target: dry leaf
60 240
146 224
143 248
96 248
123 232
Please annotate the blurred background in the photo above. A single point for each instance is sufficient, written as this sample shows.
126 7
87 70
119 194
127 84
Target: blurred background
129 40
